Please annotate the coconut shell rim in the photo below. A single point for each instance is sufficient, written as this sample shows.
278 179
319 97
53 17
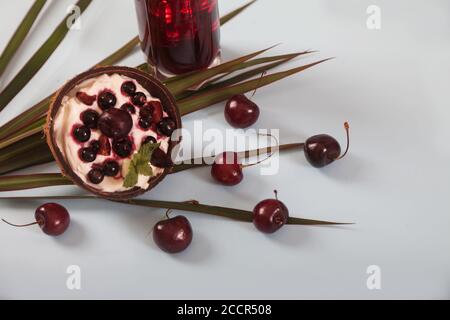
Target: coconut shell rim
167 100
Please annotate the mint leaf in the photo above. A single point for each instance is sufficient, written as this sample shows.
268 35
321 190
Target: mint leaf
145 170
132 177
140 164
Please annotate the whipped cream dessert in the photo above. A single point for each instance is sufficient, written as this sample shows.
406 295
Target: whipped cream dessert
102 123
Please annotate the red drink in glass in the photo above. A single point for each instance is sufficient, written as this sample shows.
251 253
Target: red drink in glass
179 36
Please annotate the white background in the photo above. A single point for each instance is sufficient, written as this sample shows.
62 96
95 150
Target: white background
391 84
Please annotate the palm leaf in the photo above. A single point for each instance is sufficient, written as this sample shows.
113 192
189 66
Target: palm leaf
202 100
12 183
234 13
185 83
20 34
38 59
20 182
230 213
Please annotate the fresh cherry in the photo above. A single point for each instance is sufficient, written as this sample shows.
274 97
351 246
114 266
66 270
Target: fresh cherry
323 149
82 133
128 107
122 147
111 168
241 112
161 159
105 146
87 154
115 123
128 88
226 169
106 100
89 118
270 215
157 110
139 99
166 127
173 235
146 111
53 219
85 98
96 176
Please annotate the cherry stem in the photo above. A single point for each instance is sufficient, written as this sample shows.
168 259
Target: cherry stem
20 225
276 194
167 213
259 82
266 158
347 130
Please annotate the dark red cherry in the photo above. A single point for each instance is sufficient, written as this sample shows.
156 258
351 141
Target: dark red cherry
161 159
96 175
270 215
323 149
166 127
82 133
111 168
173 235
128 88
122 147
146 111
105 146
85 98
128 107
241 112
139 99
226 169
115 123
87 154
149 139
53 219
157 110
89 118
106 100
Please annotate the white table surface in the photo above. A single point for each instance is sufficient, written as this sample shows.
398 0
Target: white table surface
391 84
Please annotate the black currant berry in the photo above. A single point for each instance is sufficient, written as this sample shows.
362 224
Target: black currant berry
95 145
90 118
128 88
87 154
128 107
139 99
106 100
111 168
166 126
96 176
82 133
145 123
122 147
150 139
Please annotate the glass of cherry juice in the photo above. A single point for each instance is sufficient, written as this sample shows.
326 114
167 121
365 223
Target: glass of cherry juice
179 36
